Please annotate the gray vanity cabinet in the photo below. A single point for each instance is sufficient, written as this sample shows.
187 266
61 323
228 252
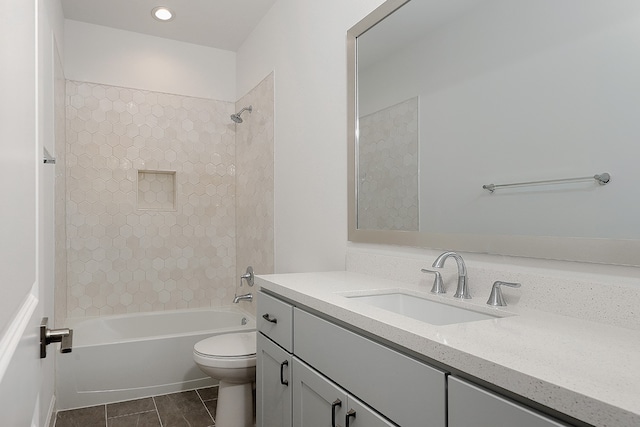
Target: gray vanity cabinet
318 402
273 384
473 406
307 362
273 362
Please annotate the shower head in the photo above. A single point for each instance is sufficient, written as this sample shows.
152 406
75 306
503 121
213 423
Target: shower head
236 117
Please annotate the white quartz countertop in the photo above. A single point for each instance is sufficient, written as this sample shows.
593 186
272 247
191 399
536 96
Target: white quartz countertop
586 370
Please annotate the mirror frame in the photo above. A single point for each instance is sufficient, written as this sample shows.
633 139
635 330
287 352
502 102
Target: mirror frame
593 250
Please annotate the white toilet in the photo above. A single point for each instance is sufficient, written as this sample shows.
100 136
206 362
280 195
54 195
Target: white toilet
231 359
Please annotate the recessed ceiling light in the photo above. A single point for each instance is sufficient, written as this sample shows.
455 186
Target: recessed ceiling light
162 13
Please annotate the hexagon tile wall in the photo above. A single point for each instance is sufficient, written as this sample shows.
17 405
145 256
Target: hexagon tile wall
254 202
387 181
123 259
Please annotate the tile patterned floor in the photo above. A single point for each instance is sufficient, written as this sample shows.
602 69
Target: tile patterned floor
195 408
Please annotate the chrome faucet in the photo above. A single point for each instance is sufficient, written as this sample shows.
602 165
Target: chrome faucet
245 297
496 299
462 291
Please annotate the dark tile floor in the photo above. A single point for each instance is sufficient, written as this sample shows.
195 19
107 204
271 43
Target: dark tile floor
195 408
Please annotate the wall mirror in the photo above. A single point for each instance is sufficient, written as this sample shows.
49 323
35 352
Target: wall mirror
448 96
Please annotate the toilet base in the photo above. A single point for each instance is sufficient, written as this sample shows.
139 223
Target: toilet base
235 405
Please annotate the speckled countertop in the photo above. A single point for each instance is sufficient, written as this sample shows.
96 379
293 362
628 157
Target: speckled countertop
586 370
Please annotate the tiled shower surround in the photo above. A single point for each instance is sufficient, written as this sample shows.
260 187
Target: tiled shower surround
387 176
254 200
131 246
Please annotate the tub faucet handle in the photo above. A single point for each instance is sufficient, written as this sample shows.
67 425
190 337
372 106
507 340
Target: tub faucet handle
248 276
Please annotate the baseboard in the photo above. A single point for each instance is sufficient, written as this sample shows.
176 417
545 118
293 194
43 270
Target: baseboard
51 413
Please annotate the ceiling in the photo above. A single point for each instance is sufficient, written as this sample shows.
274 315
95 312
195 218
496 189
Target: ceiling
223 24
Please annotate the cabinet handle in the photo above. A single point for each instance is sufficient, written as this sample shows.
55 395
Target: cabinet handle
269 319
282 380
350 414
336 404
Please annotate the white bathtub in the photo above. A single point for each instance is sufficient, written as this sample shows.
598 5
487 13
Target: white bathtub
130 356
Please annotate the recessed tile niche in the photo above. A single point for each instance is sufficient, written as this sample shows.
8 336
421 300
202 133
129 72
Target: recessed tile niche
156 190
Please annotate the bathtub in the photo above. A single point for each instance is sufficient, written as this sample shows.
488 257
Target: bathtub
130 356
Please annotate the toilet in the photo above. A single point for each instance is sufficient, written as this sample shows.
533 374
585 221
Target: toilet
231 359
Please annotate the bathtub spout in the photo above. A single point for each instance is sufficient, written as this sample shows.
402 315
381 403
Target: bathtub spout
245 297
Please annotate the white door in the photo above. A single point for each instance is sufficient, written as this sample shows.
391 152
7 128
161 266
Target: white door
27 216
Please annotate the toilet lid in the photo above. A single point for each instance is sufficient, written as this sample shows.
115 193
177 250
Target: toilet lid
228 345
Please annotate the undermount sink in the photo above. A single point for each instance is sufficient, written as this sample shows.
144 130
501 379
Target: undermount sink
425 310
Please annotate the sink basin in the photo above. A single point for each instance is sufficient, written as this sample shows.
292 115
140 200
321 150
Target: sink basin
425 310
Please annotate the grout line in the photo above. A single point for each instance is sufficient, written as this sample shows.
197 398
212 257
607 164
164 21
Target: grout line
106 420
205 406
157 412
132 413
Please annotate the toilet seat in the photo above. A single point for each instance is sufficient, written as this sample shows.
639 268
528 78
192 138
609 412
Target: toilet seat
236 350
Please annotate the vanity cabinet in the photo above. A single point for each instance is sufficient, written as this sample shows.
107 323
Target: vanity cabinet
309 370
273 362
312 354
318 402
473 406
273 384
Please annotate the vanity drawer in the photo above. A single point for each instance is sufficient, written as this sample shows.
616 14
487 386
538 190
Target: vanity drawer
403 389
472 406
275 320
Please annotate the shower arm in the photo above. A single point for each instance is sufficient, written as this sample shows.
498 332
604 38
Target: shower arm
236 117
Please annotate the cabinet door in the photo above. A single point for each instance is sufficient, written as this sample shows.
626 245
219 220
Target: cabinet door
361 415
472 406
273 384
316 400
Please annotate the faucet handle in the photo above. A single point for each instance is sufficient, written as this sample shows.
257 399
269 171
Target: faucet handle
438 286
248 276
496 299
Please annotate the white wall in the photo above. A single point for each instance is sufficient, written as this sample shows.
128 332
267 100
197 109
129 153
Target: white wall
304 43
114 57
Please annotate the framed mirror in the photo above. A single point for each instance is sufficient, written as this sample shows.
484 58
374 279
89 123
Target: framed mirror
448 98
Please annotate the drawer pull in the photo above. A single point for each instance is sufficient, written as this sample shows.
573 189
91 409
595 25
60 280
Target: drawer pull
269 319
350 414
336 404
282 380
